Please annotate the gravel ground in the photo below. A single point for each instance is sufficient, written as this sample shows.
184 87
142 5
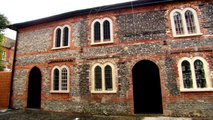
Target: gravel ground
38 115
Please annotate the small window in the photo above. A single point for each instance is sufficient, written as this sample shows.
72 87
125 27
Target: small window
103 79
60 80
184 22
194 74
102 31
3 55
61 39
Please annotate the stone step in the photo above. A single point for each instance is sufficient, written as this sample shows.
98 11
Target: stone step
166 118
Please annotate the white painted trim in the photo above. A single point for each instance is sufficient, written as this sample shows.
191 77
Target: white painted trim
52 81
62 33
101 21
182 12
114 73
206 70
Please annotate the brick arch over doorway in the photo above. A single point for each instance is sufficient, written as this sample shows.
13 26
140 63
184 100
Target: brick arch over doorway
147 88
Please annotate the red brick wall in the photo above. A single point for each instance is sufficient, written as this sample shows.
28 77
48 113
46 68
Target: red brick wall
5 78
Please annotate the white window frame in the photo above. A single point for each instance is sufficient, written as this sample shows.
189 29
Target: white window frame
182 12
194 85
4 55
60 80
62 32
114 88
101 21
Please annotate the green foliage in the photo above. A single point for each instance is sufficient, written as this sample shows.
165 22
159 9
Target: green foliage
3 24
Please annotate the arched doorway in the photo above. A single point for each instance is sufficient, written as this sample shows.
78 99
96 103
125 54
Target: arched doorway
34 89
147 88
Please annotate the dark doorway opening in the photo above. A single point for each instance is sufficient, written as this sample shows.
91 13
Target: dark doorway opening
34 89
147 88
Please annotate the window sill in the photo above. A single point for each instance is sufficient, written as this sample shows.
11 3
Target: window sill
99 43
197 90
108 92
59 91
188 35
56 48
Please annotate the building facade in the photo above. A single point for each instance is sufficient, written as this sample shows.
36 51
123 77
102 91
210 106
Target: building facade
140 57
7 53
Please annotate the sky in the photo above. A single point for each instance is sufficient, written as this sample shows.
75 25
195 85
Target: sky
18 11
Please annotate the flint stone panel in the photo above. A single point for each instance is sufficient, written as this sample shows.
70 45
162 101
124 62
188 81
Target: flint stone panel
86 108
20 77
44 58
34 41
18 103
207 14
141 26
79 34
198 109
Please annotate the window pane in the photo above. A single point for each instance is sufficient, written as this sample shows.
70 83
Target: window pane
190 22
200 74
178 23
64 77
108 77
58 38
106 31
97 32
98 78
187 76
56 80
65 36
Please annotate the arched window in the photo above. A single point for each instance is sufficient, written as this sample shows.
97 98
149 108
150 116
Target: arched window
190 22
65 36
61 39
58 38
199 74
101 31
98 78
187 75
194 74
106 27
184 22
60 80
108 77
56 79
103 78
97 32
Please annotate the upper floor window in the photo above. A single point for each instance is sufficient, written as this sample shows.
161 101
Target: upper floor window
102 31
184 22
3 55
60 79
103 78
194 74
61 37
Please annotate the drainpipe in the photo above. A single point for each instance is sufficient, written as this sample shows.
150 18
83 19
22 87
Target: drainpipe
13 70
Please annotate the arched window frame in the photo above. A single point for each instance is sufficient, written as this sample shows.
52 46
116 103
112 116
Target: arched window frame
60 80
185 31
194 83
103 90
62 37
102 41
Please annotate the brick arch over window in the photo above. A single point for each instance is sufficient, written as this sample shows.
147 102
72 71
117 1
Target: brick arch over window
184 22
194 74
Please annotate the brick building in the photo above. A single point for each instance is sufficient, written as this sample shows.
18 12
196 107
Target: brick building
7 53
140 57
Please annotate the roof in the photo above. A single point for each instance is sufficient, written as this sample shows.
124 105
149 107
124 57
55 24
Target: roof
62 16
9 43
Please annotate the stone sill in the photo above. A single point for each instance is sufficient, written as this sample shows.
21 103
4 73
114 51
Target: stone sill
197 90
56 48
59 91
188 35
100 43
107 92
